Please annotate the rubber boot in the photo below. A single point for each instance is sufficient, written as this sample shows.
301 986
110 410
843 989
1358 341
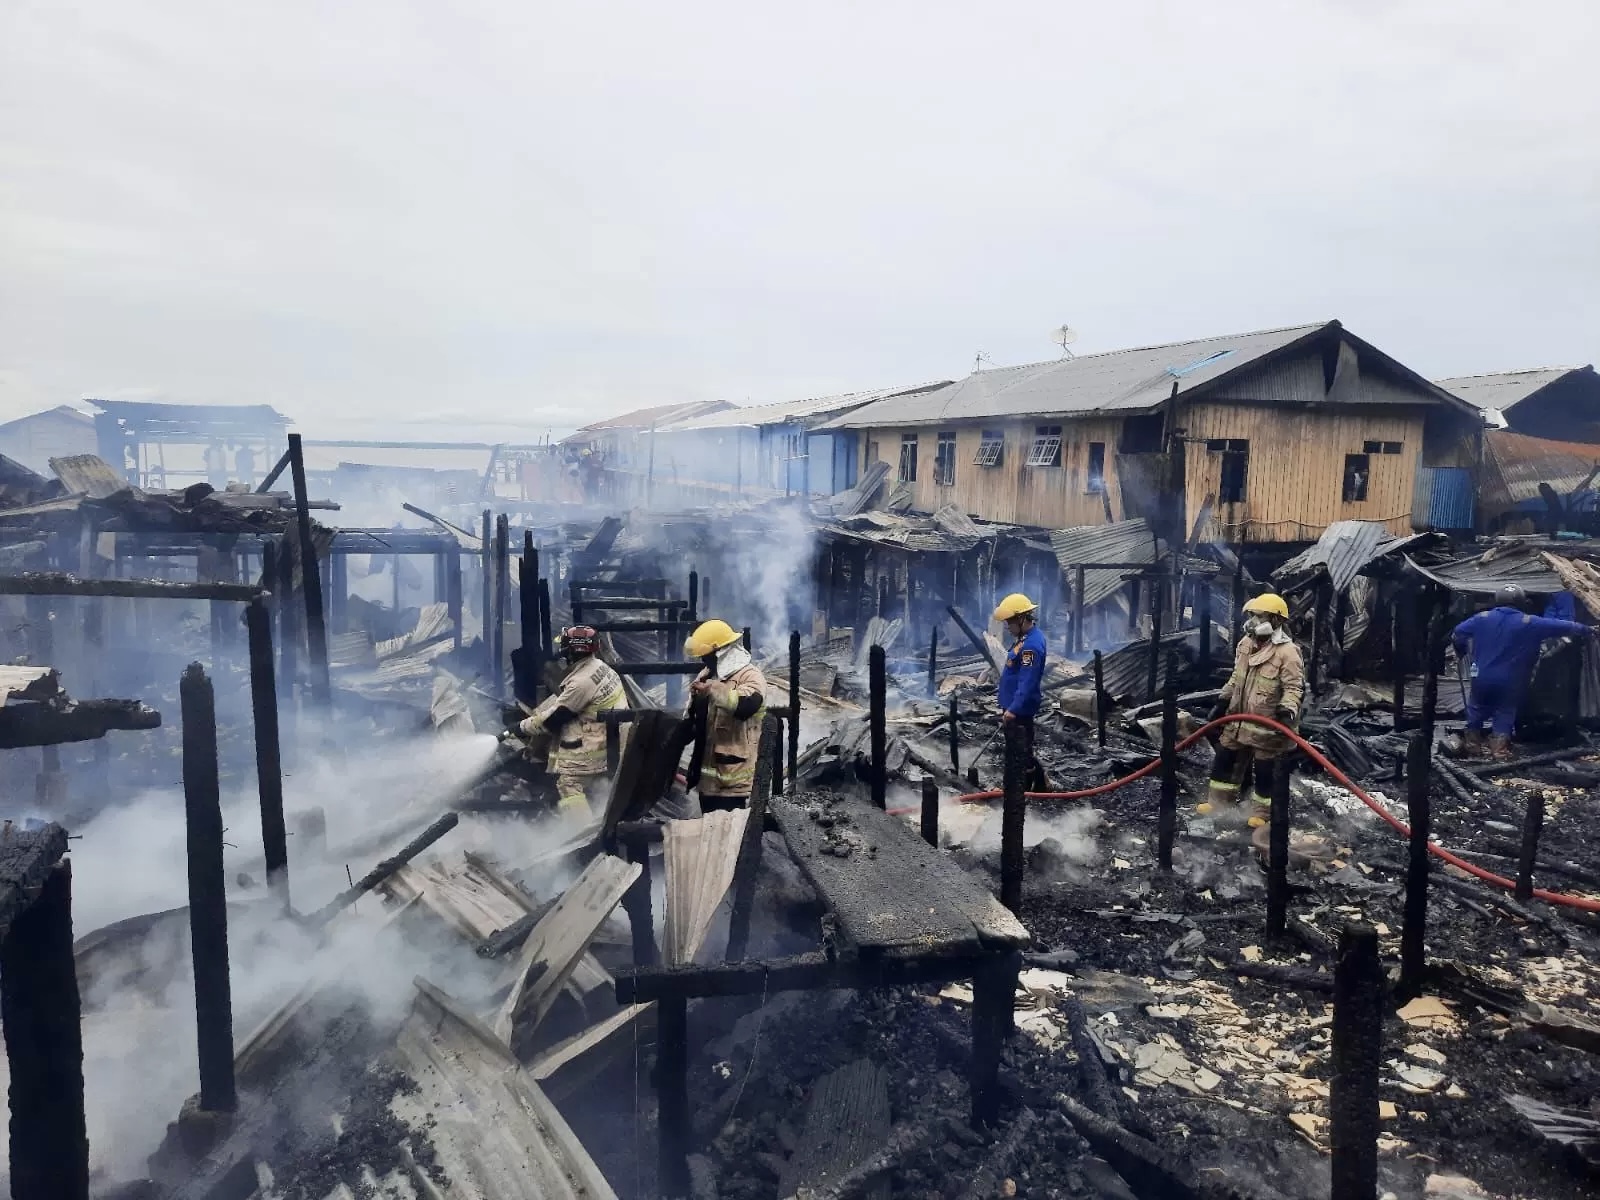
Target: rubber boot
1471 744
1500 747
1220 798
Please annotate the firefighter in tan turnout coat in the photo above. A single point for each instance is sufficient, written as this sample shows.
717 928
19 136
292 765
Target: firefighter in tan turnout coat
571 719
735 694
1269 680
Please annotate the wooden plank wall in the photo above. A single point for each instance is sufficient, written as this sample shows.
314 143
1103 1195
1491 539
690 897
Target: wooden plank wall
1294 489
1047 496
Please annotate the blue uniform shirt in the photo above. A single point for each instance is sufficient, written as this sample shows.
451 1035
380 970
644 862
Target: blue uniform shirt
1023 675
1505 642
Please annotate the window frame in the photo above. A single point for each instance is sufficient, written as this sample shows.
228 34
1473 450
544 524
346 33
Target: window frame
1365 478
990 440
1231 451
944 458
908 441
1094 484
1043 435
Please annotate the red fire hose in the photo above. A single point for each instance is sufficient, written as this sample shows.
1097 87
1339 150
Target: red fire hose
1321 760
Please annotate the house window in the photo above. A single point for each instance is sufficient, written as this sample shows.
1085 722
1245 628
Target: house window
991 448
794 445
1142 434
944 461
908 458
1357 470
1046 448
1381 447
1235 468
870 455
1097 468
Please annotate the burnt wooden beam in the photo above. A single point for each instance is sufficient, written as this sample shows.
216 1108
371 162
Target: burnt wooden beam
794 708
269 763
310 582
40 1011
386 868
52 583
1357 1053
208 902
80 721
800 972
1013 815
1167 813
1278 849
748 864
1413 956
877 702
272 475
978 643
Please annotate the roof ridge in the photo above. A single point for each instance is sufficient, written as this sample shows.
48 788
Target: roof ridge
1516 371
1215 337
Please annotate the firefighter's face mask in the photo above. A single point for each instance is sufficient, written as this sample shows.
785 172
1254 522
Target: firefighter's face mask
1261 629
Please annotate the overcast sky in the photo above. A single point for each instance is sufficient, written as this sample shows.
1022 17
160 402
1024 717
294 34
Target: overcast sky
493 211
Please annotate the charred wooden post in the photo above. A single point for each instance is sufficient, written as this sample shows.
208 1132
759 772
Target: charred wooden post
672 1091
978 644
545 630
39 1009
486 560
338 590
1202 608
994 988
1167 816
636 903
269 766
1413 962
694 595
452 583
777 754
930 812
528 610
208 903
748 865
1433 652
502 596
1100 699
1314 667
1400 628
310 581
955 735
1357 1046
1532 826
1156 607
745 640
1133 605
613 747
1077 609
1236 617
794 708
1013 815
878 687
933 663
1278 849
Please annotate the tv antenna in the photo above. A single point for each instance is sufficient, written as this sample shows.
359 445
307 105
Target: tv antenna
1064 337
979 359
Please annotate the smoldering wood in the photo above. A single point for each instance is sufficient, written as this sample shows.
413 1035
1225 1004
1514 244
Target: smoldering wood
1100 699
672 1089
1413 961
981 645
994 987
954 728
1487 770
208 905
60 583
648 764
1302 978
269 765
1357 1050
41 1016
846 1122
1149 1170
1167 814
748 865
1014 807
878 700
794 708
902 1142
930 812
1278 850
310 582
502 592
441 826
278 469
636 902
1533 826
73 721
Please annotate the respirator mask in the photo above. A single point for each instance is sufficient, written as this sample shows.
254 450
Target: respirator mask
1261 630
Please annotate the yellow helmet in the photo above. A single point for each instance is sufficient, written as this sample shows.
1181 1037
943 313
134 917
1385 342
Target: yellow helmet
1014 605
708 638
1268 602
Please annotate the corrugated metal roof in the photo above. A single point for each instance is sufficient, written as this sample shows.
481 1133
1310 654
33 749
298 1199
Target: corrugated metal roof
659 416
782 413
89 475
1343 549
1506 563
1515 465
1119 380
1120 542
1506 388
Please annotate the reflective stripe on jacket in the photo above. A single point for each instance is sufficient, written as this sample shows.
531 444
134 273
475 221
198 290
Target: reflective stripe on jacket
1265 678
729 765
588 690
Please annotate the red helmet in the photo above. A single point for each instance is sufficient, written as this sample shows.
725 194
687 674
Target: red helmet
579 640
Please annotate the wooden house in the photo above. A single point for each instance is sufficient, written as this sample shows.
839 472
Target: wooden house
1273 436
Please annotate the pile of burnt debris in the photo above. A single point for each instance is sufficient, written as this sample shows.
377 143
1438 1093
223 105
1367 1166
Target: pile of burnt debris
892 974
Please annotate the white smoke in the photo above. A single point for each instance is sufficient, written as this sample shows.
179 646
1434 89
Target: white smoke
1072 828
774 570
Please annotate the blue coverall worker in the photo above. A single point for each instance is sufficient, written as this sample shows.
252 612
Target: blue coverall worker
1505 648
1021 689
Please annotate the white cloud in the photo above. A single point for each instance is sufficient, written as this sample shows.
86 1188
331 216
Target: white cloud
371 210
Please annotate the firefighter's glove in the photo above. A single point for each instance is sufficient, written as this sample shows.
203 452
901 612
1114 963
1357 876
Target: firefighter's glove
1218 711
1285 716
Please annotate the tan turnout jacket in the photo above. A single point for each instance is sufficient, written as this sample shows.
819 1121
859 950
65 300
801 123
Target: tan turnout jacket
728 767
589 689
1265 678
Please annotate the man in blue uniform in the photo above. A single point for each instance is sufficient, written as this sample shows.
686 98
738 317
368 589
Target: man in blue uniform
1505 648
1022 677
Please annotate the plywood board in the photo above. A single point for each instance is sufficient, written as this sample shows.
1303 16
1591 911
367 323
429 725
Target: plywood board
699 857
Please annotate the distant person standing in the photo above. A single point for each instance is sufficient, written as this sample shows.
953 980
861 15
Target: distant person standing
244 464
216 466
1021 689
